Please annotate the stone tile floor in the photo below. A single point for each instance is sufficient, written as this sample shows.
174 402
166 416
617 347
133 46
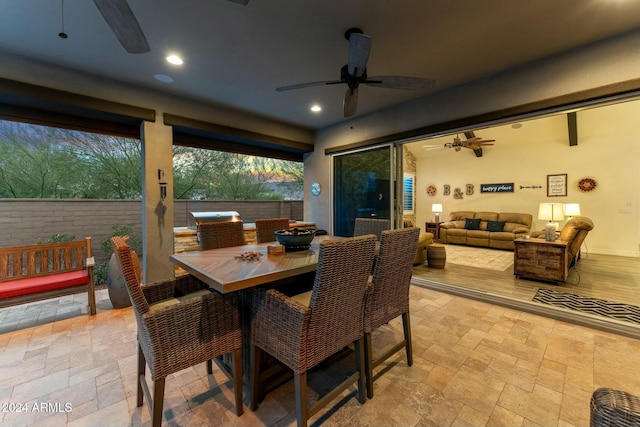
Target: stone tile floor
475 364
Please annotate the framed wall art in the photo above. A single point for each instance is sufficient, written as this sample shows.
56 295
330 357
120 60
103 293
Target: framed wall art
557 185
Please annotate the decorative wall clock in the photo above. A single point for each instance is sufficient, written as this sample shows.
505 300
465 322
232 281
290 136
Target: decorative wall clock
587 184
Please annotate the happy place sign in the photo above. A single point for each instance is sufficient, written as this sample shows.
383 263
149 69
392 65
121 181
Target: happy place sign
497 188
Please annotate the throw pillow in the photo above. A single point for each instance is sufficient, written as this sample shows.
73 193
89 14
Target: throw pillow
472 223
495 225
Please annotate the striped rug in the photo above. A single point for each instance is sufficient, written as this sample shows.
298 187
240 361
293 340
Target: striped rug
614 310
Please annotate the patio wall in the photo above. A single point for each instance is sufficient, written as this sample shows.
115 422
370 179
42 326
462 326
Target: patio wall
28 221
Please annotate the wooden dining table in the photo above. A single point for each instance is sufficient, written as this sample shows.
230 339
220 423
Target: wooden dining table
225 271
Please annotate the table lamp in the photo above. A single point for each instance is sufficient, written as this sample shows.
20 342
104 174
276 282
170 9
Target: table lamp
550 212
571 210
436 208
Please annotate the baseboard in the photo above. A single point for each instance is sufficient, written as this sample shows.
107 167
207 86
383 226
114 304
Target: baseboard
613 252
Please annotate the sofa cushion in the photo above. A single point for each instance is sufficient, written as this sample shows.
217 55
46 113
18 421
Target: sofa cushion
472 223
486 216
34 285
461 215
522 219
495 226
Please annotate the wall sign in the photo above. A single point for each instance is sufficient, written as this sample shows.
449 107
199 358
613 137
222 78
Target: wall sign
557 185
497 188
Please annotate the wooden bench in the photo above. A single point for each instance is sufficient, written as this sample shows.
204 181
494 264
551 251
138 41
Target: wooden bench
36 272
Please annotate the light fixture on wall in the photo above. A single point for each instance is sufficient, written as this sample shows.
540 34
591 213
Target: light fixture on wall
571 210
436 208
550 212
163 185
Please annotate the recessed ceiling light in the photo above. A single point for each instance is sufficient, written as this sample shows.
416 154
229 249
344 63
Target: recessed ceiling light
175 60
163 78
316 108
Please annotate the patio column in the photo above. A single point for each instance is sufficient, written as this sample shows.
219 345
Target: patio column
157 207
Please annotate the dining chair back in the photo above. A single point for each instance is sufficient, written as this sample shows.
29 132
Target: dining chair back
213 235
364 226
180 323
388 295
303 330
266 227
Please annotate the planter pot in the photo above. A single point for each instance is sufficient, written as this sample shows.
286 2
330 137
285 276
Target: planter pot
117 285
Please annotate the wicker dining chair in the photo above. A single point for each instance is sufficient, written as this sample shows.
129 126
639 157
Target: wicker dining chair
180 325
266 227
613 408
388 294
364 226
303 330
213 235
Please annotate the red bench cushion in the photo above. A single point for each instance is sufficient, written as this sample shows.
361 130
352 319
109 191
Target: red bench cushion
34 285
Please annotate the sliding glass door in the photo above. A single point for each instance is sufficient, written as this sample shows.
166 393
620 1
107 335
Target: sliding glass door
362 187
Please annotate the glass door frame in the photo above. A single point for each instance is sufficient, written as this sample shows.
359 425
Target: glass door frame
395 179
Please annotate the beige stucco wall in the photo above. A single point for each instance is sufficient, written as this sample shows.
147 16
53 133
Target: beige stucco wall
608 62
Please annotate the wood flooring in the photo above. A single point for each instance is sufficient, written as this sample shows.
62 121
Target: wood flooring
607 277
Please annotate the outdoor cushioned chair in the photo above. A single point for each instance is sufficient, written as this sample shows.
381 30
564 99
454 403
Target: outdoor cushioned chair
303 330
180 325
213 235
364 226
267 226
388 294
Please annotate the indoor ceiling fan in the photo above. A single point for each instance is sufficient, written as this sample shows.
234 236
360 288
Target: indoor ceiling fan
125 26
355 72
473 142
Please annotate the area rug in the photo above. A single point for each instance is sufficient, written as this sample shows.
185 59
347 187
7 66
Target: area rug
614 310
491 259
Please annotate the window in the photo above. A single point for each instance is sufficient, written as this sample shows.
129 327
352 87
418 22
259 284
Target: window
408 192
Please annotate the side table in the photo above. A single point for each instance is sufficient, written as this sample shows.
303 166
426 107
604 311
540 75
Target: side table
434 228
541 260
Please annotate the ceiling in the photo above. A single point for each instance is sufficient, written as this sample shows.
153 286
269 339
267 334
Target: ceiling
237 55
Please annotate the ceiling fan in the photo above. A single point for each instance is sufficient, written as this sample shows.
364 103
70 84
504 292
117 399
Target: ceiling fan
125 26
355 72
472 142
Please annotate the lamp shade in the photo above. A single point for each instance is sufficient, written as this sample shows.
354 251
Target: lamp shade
572 209
550 212
436 207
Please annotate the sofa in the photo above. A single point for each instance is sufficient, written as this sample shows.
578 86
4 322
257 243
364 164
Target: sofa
488 229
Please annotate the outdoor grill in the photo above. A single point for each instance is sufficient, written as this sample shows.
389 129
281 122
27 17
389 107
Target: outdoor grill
207 217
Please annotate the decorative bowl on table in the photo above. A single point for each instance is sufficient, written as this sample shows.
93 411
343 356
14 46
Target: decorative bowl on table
295 239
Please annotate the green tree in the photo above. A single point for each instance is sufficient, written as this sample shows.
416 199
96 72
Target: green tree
34 163
115 165
44 162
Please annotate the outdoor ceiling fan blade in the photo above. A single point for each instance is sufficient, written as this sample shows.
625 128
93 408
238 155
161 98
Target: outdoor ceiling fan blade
359 49
310 84
350 104
124 24
401 82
